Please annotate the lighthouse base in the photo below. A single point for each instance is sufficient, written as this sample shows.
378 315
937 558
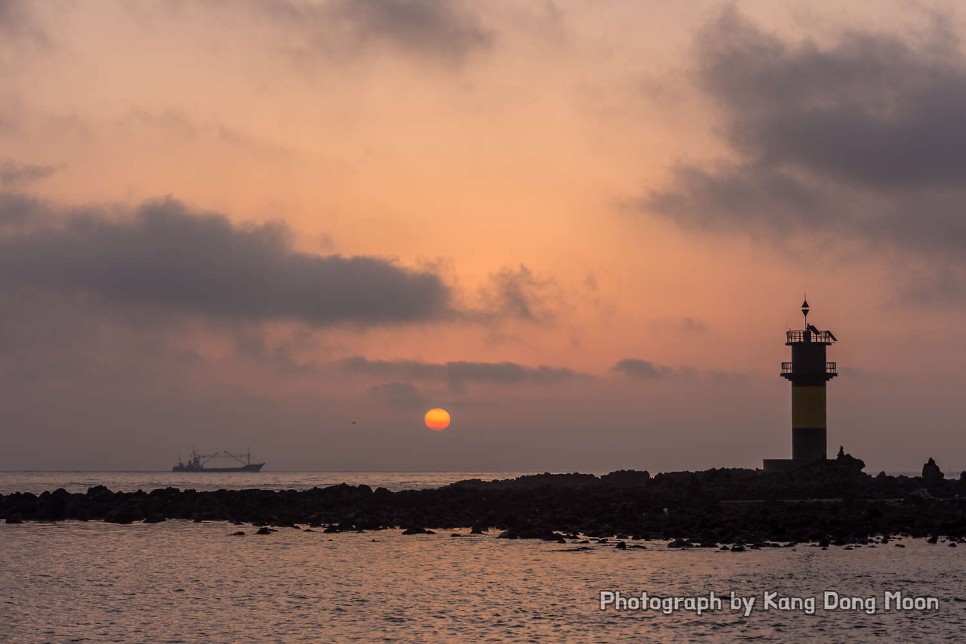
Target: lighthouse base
785 464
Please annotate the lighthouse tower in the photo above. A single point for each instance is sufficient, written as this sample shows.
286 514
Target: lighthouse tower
808 372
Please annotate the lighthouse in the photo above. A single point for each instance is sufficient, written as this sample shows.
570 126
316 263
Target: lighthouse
809 372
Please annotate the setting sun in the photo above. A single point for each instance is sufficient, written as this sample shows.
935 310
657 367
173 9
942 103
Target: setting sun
437 419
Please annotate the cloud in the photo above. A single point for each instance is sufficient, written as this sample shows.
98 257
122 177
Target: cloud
444 31
398 394
14 174
642 369
18 22
858 137
17 209
692 325
870 109
748 196
458 374
646 370
176 123
519 293
167 257
427 27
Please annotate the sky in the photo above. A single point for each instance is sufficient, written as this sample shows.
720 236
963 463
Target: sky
581 227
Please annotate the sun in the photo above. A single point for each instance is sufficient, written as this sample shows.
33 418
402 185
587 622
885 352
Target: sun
437 419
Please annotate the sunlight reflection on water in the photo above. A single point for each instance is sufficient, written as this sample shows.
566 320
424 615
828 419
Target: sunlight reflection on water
180 581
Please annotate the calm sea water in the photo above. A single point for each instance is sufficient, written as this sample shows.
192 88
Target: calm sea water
185 582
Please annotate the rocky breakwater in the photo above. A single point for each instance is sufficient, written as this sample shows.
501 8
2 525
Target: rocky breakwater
831 501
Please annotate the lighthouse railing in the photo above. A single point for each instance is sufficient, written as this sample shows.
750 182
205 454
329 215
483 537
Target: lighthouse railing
795 336
831 368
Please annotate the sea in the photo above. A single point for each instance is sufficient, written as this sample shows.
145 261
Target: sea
181 581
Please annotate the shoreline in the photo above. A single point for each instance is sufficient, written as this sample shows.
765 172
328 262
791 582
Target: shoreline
827 502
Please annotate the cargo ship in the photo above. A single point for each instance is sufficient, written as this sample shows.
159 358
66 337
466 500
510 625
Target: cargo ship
199 463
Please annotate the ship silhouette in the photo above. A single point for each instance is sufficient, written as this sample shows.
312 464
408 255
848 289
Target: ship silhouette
198 463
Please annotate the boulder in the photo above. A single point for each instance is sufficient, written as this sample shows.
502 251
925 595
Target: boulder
417 530
931 474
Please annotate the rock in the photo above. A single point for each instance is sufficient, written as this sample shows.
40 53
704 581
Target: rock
626 478
848 462
154 517
124 515
932 539
931 474
952 544
456 534
264 530
738 548
680 543
824 542
15 518
921 494
479 529
724 548
240 533
417 530
532 532
620 545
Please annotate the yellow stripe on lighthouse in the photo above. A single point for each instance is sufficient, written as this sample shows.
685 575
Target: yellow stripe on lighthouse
808 407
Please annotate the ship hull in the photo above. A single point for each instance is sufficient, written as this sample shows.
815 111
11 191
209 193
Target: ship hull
254 467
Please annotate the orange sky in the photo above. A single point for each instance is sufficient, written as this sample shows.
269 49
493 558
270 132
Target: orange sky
590 182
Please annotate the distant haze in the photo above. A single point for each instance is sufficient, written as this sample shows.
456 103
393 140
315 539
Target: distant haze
581 228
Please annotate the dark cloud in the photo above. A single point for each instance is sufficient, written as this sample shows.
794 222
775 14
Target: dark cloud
748 196
398 394
445 31
519 293
18 212
458 374
643 369
14 174
857 138
871 109
167 257
17 21
647 370
429 27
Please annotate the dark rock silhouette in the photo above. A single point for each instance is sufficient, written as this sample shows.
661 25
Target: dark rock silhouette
417 530
830 500
931 474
